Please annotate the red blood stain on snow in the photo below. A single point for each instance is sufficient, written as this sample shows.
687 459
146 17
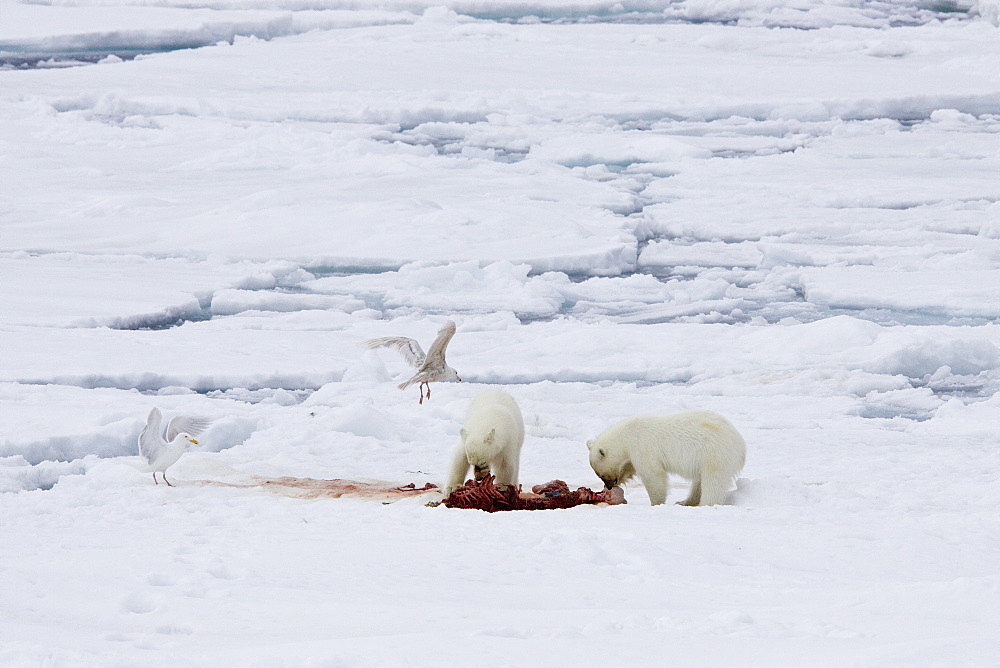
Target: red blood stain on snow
482 495
312 488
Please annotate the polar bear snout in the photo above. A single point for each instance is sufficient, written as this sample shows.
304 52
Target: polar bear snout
609 482
481 471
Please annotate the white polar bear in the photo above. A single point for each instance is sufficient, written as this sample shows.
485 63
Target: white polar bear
491 441
699 445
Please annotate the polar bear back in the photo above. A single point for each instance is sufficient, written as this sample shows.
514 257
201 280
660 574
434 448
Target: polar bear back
687 443
494 409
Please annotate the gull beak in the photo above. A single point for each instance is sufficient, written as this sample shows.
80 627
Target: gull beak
194 441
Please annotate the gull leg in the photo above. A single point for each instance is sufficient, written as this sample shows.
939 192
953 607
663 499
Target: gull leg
164 474
428 391
420 388
154 478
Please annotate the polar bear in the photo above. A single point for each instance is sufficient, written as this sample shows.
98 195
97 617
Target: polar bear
700 445
491 441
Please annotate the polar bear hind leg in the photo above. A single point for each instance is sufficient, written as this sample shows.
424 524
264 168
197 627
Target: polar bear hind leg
714 488
694 496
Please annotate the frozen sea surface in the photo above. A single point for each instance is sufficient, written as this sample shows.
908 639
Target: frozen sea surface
785 212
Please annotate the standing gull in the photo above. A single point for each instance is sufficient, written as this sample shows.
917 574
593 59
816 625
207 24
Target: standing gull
160 453
430 367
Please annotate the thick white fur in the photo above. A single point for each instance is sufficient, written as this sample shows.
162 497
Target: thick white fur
491 441
699 445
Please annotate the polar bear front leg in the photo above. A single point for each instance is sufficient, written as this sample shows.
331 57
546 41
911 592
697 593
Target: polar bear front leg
459 469
656 485
506 471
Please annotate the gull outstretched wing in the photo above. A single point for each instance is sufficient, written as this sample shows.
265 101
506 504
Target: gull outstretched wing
435 356
150 439
185 424
408 348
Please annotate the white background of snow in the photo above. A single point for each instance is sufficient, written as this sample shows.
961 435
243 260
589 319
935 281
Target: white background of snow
809 193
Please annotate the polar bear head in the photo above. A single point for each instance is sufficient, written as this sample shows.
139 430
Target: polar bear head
480 450
610 462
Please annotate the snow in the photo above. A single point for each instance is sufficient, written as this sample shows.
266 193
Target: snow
786 212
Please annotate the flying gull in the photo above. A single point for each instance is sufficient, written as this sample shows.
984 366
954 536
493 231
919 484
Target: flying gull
430 367
160 453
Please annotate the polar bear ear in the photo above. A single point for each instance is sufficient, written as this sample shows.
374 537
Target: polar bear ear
464 434
490 436
590 445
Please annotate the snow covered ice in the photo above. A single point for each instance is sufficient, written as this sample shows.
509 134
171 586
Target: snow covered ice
785 212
